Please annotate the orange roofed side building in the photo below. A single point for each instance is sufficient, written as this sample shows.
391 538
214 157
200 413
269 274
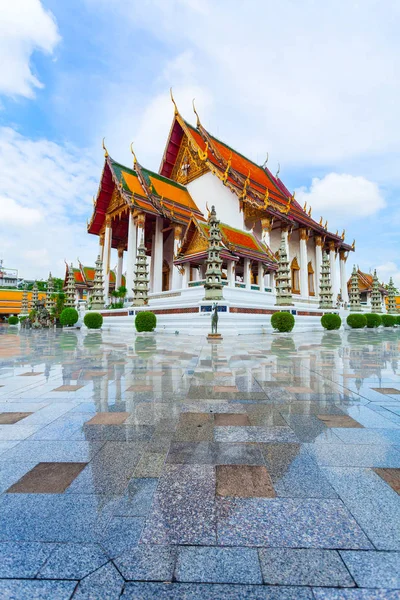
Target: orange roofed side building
169 211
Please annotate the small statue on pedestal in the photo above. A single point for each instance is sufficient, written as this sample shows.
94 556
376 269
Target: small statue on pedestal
214 336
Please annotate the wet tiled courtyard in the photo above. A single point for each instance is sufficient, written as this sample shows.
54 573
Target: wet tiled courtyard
166 467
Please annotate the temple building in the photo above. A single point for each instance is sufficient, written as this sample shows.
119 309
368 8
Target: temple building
170 209
365 282
84 280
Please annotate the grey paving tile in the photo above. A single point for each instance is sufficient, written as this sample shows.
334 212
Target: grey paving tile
369 436
183 510
195 591
288 523
11 472
105 584
355 455
121 534
147 563
372 502
150 465
22 559
254 434
358 594
64 517
295 473
214 453
287 566
53 451
374 569
138 498
218 565
73 561
20 589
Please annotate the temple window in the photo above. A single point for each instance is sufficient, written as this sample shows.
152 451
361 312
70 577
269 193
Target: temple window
295 270
311 289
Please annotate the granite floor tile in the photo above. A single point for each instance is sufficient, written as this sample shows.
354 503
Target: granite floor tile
138 498
109 418
391 476
22 560
295 473
183 509
53 451
254 434
353 594
372 502
308 428
354 455
121 534
147 563
47 478
73 561
244 481
218 565
20 589
374 569
339 421
214 453
10 418
195 591
290 523
104 584
231 419
287 566
150 465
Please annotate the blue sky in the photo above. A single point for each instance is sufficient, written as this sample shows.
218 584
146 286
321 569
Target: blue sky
316 85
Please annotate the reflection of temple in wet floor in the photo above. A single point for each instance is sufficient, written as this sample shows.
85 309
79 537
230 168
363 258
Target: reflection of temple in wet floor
260 461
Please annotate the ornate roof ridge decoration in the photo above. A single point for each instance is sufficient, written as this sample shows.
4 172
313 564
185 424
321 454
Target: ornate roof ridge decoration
235 181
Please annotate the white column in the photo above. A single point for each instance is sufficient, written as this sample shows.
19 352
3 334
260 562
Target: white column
332 260
157 256
186 275
131 254
231 273
246 273
101 246
285 234
106 259
260 276
267 279
176 275
303 263
318 263
118 281
343 277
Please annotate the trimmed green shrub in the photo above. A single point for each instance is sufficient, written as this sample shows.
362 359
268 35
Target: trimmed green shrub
373 320
388 320
69 316
93 320
331 321
22 318
356 321
282 321
398 320
145 321
13 320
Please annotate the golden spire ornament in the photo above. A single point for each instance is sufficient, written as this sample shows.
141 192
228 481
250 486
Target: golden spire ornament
104 148
134 157
173 102
198 124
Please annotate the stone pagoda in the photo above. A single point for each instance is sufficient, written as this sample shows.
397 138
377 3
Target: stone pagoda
141 278
35 296
283 283
50 291
213 277
391 305
376 297
97 296
354 294
24 303
325 287
70 291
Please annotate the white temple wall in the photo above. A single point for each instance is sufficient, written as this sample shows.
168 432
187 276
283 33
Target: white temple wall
294 247
275 239
209 190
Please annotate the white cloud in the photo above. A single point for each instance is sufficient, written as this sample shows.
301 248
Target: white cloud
25 27
46 198
343 197
387 270
13 213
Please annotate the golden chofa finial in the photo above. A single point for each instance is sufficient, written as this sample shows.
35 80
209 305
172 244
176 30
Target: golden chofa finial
266 198
309 211
353 246
173 102
203 155
265 161
94 201
337 233
228 166
104 148
134 156
326 225
343 234
305 206
195 112
278 171
208 211
320 221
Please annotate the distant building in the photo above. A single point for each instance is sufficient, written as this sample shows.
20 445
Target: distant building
8 277
365 287
84 278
